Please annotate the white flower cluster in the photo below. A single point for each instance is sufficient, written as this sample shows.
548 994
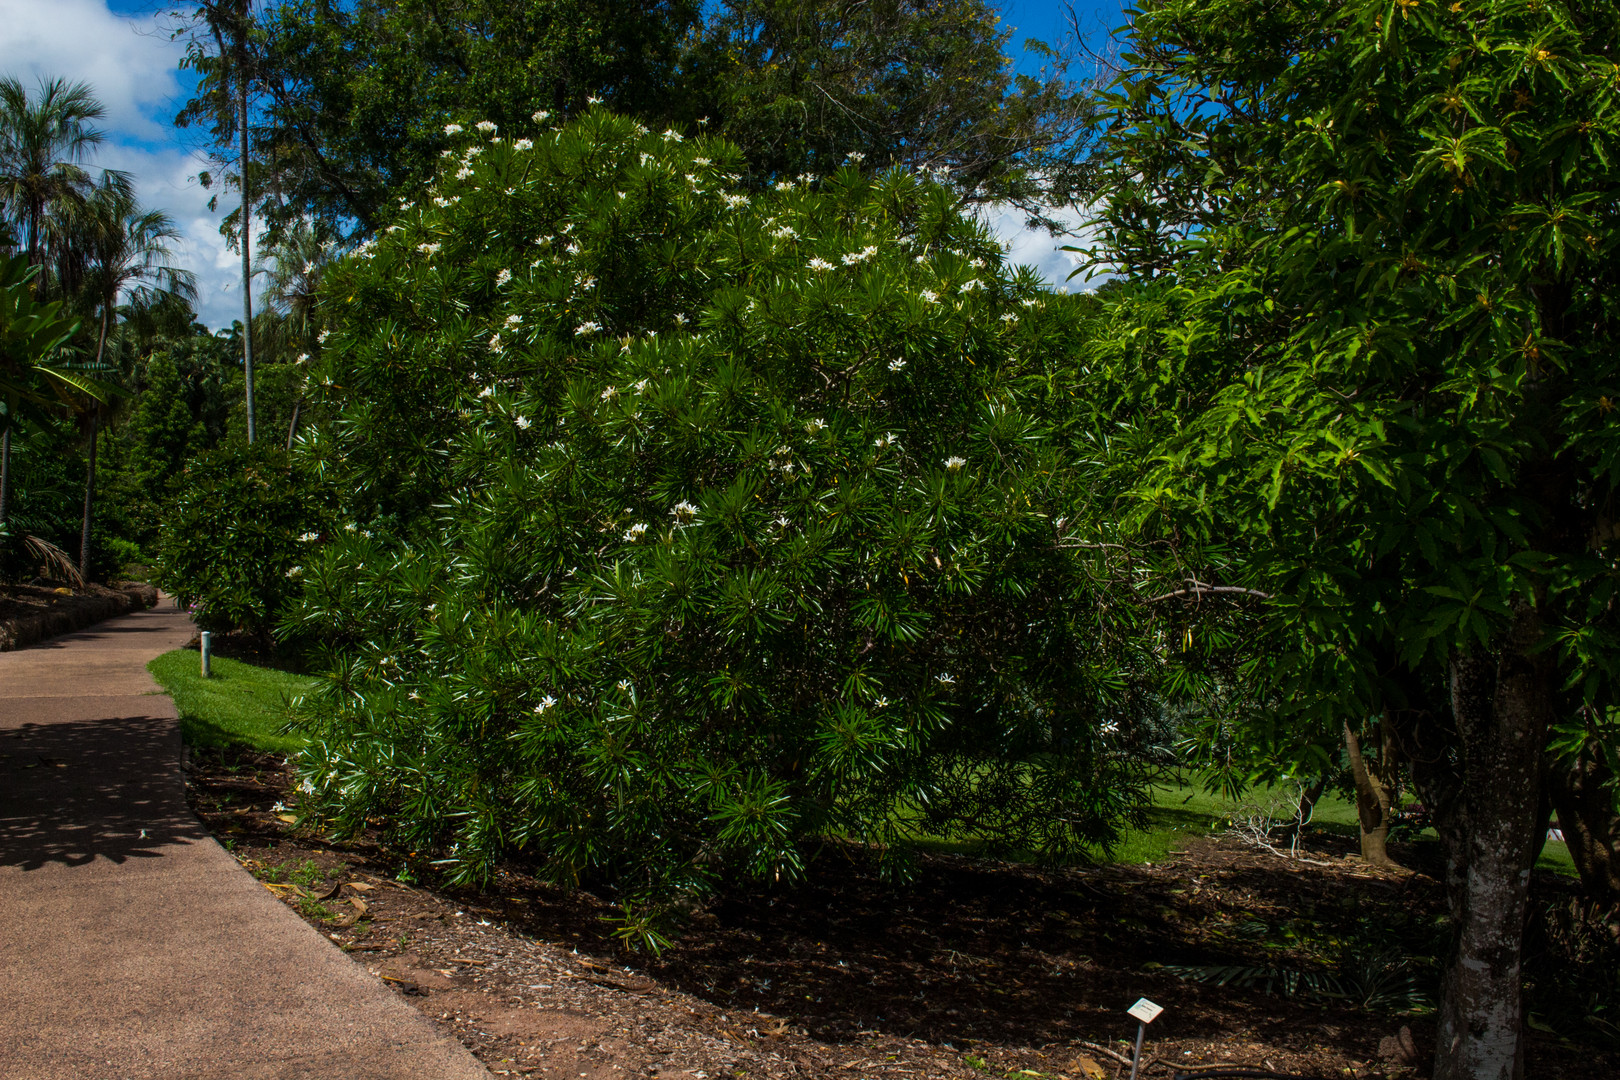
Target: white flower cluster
635 532
541 116
504 277
545 703
428 249
897 364
590 327
785 233
820 264
818 424
856 257
308 538
954 463
486 125
784 185
887 439
684 512
855 157
523 144
929 295
495 344
522 423
734 202
514 320
453 129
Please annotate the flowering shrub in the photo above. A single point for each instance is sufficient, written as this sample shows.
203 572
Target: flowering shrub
233 539
720 519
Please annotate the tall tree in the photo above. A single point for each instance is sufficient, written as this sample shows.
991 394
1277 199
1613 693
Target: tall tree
30 332
1374 335
43 143
356 95
126 251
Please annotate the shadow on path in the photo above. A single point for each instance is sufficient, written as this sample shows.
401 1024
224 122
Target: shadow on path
75 791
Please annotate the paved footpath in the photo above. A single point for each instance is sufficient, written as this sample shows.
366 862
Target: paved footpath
131 944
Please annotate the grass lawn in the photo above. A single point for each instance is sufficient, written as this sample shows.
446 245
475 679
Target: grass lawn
241 705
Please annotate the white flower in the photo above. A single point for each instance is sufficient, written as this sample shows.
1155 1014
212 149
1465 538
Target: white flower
593 100
495 343
486 392
930 296
514 320
700 161
1009 317
888 438
945 679
447 152
897 365
820 264
453 129
784 185
805 178
954 463
734 202
541 115
881 702
303 358
440 201
322 336
785 233
587 282
684 511
624 684
969 286
610 393
855 156
634 532
503 277
639 385
472 152
523 144
350 527
977 264
463 172
680 320
591 327
1030 303
485 125
428 249
672 135
545 703
522 422
920 259
572 248
815 425
407 206
295 571
1110 727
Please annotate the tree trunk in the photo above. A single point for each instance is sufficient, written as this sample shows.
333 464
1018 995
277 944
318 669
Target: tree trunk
89 499
5 470
1591 828
1376 791
1502 707
247 232
292 428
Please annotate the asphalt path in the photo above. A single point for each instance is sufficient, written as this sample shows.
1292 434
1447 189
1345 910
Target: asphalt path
132 945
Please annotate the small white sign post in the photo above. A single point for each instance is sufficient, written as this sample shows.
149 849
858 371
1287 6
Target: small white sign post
205 645
1145 1013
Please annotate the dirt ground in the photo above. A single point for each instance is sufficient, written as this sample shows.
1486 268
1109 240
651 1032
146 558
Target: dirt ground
979 968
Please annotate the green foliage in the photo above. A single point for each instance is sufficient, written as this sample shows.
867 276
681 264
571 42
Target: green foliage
240 704
235 534
687 524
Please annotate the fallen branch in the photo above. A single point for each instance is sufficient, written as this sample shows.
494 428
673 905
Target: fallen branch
1199 589
1103 1050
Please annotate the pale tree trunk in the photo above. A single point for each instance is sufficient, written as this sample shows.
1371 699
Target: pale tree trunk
89 499
5 469
1502 706
1377 790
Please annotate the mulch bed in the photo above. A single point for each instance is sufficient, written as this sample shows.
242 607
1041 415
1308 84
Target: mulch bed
978 968
32 613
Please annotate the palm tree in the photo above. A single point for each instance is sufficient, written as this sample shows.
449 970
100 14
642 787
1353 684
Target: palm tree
295 263
42 142
123 250
30 332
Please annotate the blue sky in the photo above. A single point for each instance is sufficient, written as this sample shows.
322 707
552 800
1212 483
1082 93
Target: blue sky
124 50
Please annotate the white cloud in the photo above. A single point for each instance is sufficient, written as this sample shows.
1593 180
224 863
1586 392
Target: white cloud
1040 250
132 64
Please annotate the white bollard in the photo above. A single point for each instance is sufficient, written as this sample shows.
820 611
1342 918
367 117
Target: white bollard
207 649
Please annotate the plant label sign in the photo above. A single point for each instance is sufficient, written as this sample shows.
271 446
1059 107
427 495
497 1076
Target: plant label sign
1145 1011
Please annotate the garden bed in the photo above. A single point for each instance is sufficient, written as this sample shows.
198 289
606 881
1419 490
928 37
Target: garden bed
979 968
33 613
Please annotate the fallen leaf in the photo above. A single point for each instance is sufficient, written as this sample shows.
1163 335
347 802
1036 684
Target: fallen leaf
288 818
1090 1069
